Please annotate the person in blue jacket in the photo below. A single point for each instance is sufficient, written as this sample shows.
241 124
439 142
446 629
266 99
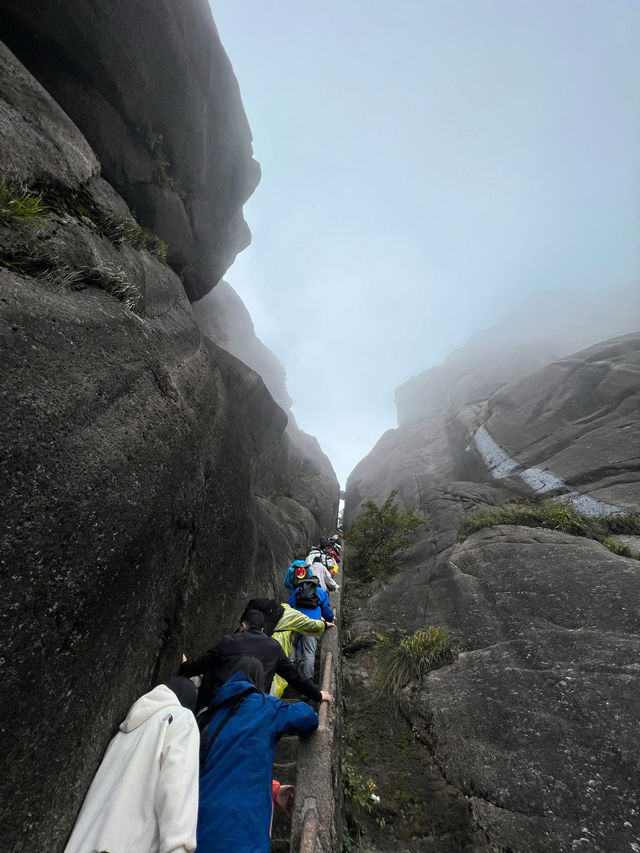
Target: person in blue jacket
238 749
309 598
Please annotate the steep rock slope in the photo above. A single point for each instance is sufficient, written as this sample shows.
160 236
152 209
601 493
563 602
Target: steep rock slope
546 327
535 723
155 95
224 319
142 472
580 417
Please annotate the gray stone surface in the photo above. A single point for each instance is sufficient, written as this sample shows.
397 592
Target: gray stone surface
223 317
536 722
535 719
142 471
579 418
38 142
155 95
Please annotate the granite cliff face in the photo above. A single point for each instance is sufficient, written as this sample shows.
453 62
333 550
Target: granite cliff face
149 485
155 96
535 723
224 319
544 328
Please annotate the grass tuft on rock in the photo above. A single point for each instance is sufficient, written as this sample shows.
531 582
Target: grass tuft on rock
619 548
124 229
18 205
105 276
408 661
560 516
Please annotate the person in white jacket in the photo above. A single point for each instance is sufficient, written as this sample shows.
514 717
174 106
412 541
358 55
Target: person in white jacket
144 796
323 574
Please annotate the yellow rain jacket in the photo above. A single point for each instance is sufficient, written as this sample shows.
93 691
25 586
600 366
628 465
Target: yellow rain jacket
290 621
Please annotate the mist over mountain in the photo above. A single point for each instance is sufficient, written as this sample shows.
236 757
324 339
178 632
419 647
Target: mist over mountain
545 327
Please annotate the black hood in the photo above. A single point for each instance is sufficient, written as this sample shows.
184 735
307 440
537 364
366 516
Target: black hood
271 610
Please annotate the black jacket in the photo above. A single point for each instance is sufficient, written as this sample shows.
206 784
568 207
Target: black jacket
215 666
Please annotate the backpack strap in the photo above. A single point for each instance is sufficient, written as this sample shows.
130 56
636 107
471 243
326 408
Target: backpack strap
233 707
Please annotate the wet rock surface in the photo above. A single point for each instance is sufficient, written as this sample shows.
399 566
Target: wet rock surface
142 476
535 722
418 808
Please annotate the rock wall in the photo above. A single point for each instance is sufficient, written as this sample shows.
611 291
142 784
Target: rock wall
545 328
223 317
535 723
148 485
310 478
156 97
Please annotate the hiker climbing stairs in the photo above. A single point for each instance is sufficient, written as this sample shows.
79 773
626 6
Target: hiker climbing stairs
313 765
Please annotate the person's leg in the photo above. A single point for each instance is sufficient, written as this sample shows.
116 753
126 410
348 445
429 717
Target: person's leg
307 654
296 651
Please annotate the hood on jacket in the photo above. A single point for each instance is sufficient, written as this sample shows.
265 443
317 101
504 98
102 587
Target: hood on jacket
148 705
270 608
185 690
233 686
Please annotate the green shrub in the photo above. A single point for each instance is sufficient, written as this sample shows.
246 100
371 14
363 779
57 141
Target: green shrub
19 205
358 803
412 658
620 548
560 516
374 539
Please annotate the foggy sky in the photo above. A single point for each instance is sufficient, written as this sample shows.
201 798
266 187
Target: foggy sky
426 164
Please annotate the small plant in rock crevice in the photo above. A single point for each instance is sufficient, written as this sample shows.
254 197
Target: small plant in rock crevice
107 277
359 802
154 143
408 661
24 206
620 548
18 205
46 265
125 229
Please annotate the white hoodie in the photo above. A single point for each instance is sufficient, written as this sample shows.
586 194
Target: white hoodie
144 797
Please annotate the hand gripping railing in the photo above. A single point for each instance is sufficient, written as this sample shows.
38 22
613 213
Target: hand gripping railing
315 825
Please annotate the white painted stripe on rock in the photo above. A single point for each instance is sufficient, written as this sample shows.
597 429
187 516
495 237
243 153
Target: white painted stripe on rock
502 465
